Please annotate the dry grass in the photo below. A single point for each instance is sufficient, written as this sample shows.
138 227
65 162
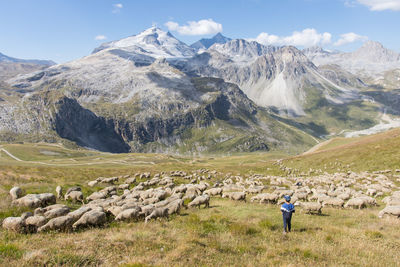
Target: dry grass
229 234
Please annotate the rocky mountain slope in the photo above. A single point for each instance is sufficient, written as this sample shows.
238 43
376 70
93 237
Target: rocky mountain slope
152 93
369 60
205 43
4 58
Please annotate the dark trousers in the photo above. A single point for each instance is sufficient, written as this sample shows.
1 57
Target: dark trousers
287 222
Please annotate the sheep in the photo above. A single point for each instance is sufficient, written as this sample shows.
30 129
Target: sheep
147 210
235 195
157 213
270 198
96 196
93 183
128 214
390 210
42 211
35 200
77 214
204 199
214 191
74 188
15 224
355 203
391 201
310 207
333 202
59 192
76 196
53 213
175 206
34 222
91 218
344 196
26 215
150 201
130 180
62 223
15 192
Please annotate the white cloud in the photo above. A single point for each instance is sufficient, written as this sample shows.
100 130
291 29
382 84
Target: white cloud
100 37
201 27
379 5
117 7
348 38
306 38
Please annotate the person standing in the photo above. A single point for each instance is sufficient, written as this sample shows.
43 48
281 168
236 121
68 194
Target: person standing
287 209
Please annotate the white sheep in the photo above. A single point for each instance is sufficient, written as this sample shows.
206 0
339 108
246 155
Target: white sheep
59 192
62 223
355 203
91 218
157 213
76 196
390 210
128 214
15 192
15 224
200 200
310 207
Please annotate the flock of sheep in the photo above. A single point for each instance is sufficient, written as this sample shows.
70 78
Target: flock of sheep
124 198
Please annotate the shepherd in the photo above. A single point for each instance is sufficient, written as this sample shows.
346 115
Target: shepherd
287 209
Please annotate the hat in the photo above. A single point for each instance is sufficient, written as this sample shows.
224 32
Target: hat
287 198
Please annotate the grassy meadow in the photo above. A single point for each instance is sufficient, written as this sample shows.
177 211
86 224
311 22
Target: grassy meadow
227 234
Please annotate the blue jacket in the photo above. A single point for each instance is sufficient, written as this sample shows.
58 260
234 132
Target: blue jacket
287 208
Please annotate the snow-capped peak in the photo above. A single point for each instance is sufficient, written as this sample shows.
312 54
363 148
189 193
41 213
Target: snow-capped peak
153 42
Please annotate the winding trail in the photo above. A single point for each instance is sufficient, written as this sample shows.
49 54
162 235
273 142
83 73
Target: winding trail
122 162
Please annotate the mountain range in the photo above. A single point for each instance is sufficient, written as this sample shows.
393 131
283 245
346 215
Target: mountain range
153 93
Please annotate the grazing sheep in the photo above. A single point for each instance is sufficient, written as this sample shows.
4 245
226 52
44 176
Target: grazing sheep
150 201
15 192
344 196
97 196
35 200
175 206
59 192
269 198
310 207
333 202
214 191
123 186
91 218
93 183
41 211
355 203
34 222
77 214
128 214
53 213
204 199
74 188
157 213
26 215
235 195
391 201
62 223
76 196
147 210
390 210
130 180
15 224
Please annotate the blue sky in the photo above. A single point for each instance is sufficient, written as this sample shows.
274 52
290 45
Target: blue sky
64 30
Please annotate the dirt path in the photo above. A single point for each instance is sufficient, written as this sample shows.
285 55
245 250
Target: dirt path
316 147
76 164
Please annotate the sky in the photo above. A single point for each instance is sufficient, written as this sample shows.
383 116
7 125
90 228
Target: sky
64 30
